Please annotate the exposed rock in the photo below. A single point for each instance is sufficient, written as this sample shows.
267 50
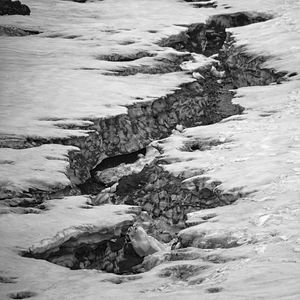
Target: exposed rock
164 195
205 100
9 7
14 31
182 272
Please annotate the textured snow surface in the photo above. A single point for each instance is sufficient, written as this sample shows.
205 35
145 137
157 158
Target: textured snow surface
54 77
42 168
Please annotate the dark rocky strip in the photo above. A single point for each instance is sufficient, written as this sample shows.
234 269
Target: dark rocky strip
169 198
204 101
14 31
165 199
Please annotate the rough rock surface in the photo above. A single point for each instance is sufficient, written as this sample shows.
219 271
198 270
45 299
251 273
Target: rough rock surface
9 7
14 31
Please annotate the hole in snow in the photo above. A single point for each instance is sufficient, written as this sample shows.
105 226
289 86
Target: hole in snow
123 279
214 290
111 162
292 74
182 272
201 145
206 5
22 295
109 171
7 279
115 254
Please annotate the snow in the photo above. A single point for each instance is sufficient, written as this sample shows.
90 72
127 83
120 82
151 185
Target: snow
255 149
42 168
198 63
43 84
58 74
65 219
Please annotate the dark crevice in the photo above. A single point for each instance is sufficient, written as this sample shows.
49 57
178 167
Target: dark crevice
111 162
214 290
115 57
202 145
166 198
114 254
292 74
22 295
15 31
206 5
93 186
209 38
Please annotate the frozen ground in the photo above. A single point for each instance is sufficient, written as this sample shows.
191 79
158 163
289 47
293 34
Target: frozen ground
55 77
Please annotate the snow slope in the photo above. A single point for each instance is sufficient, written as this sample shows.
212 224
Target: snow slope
258 151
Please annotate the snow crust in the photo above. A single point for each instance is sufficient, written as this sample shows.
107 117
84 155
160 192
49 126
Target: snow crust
42 168
56 74
65 219
256 148
257 151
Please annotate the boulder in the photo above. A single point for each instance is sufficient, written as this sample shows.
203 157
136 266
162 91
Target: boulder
8 7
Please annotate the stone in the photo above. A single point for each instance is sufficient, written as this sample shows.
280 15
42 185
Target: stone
179 128
148 207
102 198
9 7
163 205
14 31
156 212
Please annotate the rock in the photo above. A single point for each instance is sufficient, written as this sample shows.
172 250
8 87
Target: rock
166 237
179 127
102 198
14 31
197 75
8 7
216 73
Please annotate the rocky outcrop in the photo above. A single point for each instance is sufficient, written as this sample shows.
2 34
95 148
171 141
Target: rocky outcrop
169 198
15 31
196 102
9 7
207 100
209 38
